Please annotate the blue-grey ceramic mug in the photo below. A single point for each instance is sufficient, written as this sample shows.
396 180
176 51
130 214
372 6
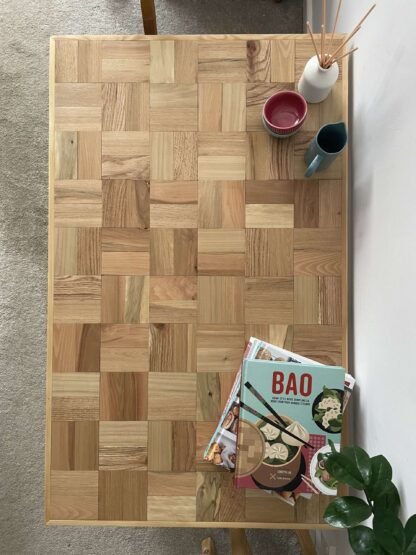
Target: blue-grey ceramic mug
325 147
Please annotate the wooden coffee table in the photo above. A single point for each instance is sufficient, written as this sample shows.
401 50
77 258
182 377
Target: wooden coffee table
177 229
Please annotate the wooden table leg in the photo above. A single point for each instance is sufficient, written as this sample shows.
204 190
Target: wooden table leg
149 17
208 547
239 544
305 541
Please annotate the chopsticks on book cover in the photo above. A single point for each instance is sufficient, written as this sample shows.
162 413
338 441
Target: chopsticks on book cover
273 423
263 401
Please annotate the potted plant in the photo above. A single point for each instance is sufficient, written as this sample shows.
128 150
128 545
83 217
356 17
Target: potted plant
380 501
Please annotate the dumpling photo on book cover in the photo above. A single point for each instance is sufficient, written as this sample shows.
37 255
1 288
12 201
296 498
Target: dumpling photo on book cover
288 412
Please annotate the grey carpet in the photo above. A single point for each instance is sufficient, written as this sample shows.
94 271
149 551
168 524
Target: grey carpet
25 26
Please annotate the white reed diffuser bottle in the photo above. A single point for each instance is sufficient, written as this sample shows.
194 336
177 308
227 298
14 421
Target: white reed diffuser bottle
317 81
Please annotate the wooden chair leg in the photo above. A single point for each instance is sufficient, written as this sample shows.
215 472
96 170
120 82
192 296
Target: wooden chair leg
208 547
149 17
305 541
239 544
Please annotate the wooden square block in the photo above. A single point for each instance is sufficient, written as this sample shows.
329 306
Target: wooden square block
126 204
270 192
66 155
317 263
269 252
76 348
89 61
77 299
86 118
186 61
221 300
89 155
123 446
330 300
122 495
171 483
161 508
222 61
260 506
268 158
77 95
221 252
74 446
233 107
172 446
306 300
125 62
173 299
283 60
221 204
213 389
173 252
66 60
212 168
269 215
269 300
321 343
218 499
330 203
173 107
216 144
174 192
125 107
173 155
122 263
73 495
306 204
125 240
77 251
219 348
174 215
85 191
258 61
125 299
123 396
162 65
173 397
172 348
277 334
257 94
125 155
77 215
209 106
75 396
124 348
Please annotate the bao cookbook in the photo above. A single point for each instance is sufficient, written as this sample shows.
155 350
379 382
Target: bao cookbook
288 411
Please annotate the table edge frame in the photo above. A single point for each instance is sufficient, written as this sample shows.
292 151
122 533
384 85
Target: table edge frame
51 205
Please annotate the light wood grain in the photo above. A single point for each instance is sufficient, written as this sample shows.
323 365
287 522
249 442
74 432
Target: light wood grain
173 275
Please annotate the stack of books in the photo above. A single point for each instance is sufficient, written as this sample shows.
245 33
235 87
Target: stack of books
274 430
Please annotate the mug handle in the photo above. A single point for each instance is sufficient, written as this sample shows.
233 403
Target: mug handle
314 165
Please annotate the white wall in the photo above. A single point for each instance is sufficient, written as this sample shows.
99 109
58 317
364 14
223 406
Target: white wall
383 179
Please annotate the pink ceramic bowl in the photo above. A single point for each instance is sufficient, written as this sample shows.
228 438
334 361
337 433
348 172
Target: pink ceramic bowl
285 112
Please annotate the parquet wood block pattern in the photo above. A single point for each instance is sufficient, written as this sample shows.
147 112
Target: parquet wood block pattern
178 229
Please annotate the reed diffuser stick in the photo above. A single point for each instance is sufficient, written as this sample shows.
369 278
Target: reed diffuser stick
324 30
322 44
346 54
335 24
341 46
308 25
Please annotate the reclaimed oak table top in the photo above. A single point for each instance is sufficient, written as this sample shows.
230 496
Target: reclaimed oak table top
177 229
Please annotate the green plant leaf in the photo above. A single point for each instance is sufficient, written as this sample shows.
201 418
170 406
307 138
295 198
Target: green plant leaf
388 499
361 460
332 445
363 541
381 472
389 532
410 535
344 470
348 511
